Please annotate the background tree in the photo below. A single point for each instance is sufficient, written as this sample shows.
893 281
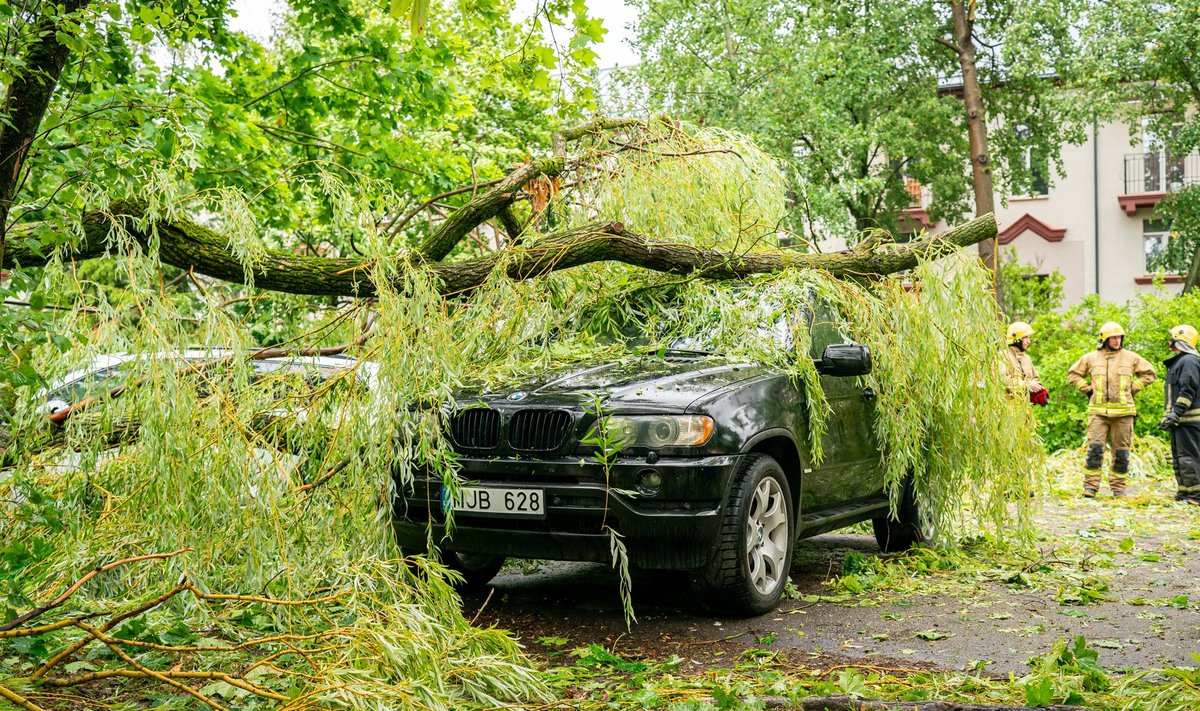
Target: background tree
857 98
162 102
1143 59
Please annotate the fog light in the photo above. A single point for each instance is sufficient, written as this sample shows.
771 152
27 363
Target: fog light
649 481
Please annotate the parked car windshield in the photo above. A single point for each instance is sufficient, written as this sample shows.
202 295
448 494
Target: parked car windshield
773 332
113 371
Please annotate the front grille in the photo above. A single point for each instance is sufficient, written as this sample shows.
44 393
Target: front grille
539 430
477 428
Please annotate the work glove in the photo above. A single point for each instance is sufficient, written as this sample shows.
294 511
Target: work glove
1089 390
1169 421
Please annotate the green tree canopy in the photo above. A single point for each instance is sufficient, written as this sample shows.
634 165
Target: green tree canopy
1143 60
858 98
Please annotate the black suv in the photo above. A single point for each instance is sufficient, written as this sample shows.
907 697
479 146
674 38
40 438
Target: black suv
714 476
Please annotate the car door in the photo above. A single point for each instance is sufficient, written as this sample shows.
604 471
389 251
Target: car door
849 468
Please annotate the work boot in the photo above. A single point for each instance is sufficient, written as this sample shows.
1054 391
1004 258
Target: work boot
1187 479
1089 493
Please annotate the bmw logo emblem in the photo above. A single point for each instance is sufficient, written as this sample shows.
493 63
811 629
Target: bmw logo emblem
518 396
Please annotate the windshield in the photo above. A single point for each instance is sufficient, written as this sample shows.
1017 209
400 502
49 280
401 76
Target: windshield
97 382
101 381
772 331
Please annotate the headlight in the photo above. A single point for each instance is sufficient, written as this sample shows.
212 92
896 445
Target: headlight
656 431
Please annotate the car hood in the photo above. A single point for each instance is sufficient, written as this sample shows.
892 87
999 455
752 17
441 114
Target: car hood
669 383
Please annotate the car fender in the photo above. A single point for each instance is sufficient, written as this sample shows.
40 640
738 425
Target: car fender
780 443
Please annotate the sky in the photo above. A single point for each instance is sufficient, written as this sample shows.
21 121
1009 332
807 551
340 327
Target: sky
256 18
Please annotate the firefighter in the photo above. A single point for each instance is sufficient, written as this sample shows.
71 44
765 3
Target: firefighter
1022 377
1110 376
1181 418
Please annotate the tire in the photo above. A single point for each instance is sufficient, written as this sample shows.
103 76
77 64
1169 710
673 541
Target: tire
749 567
903 532
476 569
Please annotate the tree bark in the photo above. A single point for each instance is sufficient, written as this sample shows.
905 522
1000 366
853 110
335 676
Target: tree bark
500 196
26 102
484 207
190 247
981 168
1193 275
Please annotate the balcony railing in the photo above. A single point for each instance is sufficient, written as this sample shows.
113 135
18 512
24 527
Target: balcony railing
1159 172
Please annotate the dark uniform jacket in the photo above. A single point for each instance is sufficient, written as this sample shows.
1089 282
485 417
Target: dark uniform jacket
1183 384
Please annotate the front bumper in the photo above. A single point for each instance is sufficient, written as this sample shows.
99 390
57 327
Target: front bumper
674 528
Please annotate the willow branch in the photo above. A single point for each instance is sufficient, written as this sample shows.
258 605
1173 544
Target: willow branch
42 609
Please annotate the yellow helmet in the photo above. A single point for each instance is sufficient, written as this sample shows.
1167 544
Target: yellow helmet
1018 330
1185 333
1110 329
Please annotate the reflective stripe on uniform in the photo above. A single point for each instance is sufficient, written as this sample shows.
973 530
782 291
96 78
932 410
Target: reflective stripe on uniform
1112 409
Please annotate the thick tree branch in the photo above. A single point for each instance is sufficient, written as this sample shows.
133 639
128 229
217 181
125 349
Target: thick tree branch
503 192
485 206
191 247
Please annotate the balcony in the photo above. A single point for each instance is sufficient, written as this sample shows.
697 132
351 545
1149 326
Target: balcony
1150 176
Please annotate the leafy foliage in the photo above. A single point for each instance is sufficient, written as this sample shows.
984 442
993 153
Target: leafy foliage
836 91
1141 60
1181 211
1026 293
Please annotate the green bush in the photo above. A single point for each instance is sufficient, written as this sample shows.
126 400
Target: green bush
1027 293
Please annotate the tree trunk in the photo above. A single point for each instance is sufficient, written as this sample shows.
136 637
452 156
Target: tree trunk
1193 275
981 168
25 104
190 247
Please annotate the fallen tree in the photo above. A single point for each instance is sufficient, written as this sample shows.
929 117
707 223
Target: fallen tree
194 248
188 471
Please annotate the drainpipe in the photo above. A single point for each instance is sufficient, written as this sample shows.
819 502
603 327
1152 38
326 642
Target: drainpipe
1096 197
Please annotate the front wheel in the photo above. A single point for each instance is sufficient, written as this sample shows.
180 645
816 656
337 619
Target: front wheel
749 568
904 531
476 569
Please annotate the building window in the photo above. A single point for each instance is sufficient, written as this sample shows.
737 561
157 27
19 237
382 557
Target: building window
1039 169
1036 165
1155 235
912 186
1162 172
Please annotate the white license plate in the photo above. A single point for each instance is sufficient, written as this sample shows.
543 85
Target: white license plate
499 501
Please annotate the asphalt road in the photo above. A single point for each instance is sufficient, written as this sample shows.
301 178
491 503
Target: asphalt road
555 606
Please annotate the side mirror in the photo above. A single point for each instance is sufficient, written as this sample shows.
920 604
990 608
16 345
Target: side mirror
844 360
